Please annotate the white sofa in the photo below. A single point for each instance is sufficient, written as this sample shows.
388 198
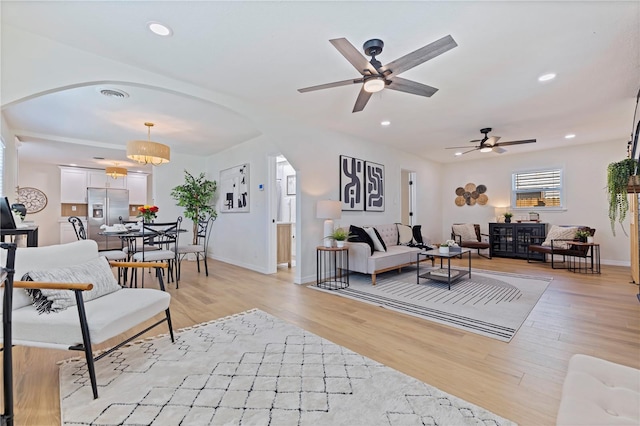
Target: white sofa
599 392
397 256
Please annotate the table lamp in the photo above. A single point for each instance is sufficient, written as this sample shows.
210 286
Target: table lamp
328 210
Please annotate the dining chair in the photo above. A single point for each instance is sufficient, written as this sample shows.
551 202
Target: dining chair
199 248
115 255
163 236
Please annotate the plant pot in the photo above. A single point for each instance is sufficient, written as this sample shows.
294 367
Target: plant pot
507 220
339 244
444 250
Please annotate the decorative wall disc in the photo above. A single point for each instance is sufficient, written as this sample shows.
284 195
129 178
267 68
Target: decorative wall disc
471 194
32 198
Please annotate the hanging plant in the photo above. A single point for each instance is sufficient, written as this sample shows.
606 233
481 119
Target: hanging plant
617 181
196 196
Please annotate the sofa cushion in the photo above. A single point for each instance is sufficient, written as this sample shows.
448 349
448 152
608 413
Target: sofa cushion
560 233
393 257
359 235
378 244
96 271
599 392
405 235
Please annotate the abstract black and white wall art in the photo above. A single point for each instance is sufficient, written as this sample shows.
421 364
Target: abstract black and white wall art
351 183
374 187
234 189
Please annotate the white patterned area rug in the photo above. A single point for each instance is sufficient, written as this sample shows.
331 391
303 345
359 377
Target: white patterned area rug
493 304
253 369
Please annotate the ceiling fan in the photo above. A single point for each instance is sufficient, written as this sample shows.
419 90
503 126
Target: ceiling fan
491 144
376 76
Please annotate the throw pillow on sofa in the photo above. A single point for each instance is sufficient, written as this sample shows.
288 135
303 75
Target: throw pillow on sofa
378 244
405 235
359 235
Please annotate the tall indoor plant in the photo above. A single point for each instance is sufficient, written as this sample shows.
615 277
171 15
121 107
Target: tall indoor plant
618 175
196 196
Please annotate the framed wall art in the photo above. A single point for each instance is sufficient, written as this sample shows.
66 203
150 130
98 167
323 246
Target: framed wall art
291 185
351 183
234 189
374 187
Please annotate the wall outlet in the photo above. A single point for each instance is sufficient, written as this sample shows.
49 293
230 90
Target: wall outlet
133 209
74 208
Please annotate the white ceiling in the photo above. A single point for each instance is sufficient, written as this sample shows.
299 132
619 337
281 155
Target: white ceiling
262 52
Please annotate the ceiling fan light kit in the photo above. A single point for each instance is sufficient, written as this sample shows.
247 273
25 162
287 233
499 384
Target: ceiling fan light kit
376 76
148 152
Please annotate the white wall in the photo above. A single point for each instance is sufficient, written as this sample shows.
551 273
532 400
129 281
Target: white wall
585 181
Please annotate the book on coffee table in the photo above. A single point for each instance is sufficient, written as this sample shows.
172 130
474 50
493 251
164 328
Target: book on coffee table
444 273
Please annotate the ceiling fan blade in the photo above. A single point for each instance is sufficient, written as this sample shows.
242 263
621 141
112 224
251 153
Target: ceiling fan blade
457 147
330 85
419 56
498 150
413 87
354 56
361 102
471 150
515 142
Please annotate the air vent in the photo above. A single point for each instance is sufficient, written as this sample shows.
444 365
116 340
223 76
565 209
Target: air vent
114 93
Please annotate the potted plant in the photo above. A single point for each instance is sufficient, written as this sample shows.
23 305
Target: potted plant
444 247
618 175
340 236
582 235
196 196
507 217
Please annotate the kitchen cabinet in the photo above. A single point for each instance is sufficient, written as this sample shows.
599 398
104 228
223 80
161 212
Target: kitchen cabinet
73 185
512 239
99 179
137 186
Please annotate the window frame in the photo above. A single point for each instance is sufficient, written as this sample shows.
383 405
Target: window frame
515 192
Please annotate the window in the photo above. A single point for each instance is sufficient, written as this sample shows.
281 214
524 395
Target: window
537 189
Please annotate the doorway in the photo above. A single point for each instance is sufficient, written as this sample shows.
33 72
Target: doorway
285 213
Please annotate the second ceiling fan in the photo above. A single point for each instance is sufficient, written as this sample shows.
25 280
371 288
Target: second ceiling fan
490 144
376 76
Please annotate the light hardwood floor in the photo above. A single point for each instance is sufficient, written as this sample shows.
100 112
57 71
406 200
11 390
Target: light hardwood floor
597 315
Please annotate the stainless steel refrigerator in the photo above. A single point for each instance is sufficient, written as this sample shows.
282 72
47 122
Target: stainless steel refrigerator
105 206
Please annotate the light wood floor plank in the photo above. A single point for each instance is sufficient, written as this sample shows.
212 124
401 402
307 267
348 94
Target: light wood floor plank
594 314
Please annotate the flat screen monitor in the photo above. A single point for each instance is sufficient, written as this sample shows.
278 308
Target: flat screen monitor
6 216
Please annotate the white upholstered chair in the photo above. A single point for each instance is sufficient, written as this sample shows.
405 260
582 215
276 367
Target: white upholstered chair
84 323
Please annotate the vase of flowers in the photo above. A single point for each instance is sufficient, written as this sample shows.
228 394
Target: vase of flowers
444 247
147 213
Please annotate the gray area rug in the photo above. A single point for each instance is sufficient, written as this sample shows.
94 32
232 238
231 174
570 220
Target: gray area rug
253 369
493 304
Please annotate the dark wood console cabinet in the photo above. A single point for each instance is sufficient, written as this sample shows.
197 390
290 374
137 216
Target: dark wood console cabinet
512 239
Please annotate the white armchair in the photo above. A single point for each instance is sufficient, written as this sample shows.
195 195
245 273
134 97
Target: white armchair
85 323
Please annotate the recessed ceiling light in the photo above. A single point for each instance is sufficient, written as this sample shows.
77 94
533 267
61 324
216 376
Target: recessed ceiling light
569 136
457 154
385 123
159 28
547 77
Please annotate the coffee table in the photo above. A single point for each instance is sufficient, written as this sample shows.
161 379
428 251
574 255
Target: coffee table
443 274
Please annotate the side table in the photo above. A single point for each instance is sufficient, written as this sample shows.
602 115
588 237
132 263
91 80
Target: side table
591 260
332 270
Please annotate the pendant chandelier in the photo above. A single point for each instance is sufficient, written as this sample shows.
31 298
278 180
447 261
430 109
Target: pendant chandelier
148 152
115 172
